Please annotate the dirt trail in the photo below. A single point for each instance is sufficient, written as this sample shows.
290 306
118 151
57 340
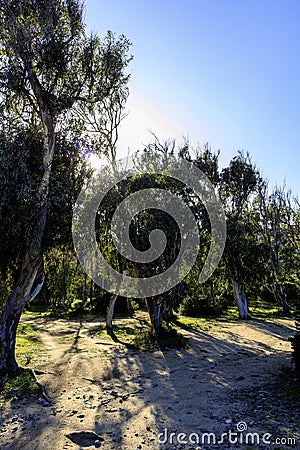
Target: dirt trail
127 396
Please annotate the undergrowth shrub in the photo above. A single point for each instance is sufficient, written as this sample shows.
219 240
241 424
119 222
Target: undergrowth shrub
166 337
199 306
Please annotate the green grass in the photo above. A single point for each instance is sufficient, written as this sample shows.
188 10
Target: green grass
23 386
264 310
140 335
27 345
123 332
194 323
258 309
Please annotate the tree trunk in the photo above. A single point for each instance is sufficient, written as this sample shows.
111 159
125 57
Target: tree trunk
281 298
8 364
28 285
286 306
167 311
110 311
91 291
241 299
208 291
84 293
155 312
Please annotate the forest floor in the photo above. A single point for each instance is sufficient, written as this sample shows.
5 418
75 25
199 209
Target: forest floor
104 394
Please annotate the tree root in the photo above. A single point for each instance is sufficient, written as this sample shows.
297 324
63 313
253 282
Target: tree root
41 386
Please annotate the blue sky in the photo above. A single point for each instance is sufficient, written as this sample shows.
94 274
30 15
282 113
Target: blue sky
226 72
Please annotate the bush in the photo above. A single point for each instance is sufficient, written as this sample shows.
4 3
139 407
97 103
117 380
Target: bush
148 339
198 307
295 341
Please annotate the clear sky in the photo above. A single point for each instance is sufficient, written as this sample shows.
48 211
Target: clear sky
226 72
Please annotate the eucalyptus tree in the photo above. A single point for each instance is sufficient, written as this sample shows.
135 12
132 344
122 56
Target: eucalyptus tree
49 67
243 252
139 230
154 164
278 227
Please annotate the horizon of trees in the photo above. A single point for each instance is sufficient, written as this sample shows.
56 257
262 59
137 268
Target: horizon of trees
261 258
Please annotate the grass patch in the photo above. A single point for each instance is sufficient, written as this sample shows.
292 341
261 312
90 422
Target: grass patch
264 310
23 386
27 345
231 313
124 333
193 323
258 309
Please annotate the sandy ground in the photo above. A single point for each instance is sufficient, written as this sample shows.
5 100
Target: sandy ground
127 397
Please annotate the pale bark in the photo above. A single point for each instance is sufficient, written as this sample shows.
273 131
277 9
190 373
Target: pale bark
110 310
241 299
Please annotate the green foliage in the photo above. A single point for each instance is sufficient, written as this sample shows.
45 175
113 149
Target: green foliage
20 161
199 306
245 255
57 84
48 63
69 172
238 181
48 38
64 277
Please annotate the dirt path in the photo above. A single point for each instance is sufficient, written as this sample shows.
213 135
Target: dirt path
127 396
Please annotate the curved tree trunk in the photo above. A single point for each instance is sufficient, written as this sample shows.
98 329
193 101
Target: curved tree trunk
31 276
28 285
110 312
